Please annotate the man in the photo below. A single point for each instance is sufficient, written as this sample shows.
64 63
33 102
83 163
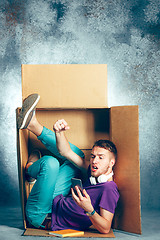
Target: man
95 205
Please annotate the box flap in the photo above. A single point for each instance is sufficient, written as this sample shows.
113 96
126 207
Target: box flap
22 157
124 127
66 85
92 233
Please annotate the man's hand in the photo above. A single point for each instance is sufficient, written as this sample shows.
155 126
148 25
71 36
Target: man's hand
82 201
60 125
102 222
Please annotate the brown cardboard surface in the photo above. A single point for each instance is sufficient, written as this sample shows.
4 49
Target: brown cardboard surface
86 125
90 233
22 157
78 93
123 128
125 134
69 85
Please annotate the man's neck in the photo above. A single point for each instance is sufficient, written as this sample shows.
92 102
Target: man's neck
110 175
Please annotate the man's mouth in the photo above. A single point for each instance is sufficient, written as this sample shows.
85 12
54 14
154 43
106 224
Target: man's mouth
94 168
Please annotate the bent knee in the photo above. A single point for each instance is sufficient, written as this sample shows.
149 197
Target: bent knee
50 163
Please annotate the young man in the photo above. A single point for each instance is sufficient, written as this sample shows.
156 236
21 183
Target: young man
95 205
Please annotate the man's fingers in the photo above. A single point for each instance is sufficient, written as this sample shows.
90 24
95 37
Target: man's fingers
60 125
56 127
74 196
65 124
79 193
85 193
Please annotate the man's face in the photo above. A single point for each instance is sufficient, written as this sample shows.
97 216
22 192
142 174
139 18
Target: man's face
101 161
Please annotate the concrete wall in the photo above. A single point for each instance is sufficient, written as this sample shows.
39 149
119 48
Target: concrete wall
123 34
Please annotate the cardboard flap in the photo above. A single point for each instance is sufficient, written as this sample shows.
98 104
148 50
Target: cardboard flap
66 86
87 234
22 157
124 132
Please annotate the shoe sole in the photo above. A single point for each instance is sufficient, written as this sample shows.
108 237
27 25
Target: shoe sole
32 182
28 112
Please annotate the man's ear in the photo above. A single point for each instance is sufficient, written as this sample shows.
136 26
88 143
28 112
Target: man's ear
112 161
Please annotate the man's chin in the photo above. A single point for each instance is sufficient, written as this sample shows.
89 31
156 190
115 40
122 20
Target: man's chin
94 174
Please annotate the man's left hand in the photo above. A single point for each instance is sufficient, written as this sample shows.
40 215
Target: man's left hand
82 201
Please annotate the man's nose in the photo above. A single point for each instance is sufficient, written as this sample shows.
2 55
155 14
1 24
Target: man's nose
95 160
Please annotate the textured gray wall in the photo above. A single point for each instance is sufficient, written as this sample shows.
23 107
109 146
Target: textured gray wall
123 34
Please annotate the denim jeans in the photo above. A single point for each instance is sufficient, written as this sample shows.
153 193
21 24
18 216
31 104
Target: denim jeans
52 179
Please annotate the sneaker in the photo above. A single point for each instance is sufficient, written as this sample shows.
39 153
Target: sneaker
34 156
27 111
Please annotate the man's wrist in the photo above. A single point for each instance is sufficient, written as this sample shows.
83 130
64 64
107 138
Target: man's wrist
59 133
90 213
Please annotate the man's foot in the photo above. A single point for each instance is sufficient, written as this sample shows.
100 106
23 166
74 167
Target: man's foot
27 110
34 156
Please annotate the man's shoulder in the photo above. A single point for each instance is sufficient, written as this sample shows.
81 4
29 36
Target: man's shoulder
110 185
104 186
110 190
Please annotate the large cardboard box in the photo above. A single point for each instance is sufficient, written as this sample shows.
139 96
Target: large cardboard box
78 93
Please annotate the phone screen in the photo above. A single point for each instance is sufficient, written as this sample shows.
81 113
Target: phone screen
77 182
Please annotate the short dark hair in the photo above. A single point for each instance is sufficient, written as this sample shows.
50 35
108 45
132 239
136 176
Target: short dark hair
108 145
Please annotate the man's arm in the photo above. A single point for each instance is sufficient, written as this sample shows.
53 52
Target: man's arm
102 222
63 145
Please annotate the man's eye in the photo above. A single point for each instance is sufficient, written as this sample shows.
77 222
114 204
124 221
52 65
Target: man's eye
92 156
100 157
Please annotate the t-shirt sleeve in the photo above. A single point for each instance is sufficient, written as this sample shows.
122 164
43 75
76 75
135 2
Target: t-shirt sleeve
109 199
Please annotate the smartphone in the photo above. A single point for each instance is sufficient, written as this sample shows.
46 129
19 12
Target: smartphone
77 182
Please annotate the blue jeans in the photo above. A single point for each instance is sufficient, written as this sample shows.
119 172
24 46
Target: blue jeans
52 179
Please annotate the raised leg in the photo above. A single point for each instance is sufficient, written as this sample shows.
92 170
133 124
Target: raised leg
52 179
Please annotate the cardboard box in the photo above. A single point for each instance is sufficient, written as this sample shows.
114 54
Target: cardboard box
78 93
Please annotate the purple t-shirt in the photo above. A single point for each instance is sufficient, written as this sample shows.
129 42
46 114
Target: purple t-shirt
66 214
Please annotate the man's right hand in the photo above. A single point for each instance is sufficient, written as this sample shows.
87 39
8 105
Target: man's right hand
60 125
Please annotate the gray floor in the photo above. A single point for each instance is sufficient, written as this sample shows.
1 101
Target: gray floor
11 226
